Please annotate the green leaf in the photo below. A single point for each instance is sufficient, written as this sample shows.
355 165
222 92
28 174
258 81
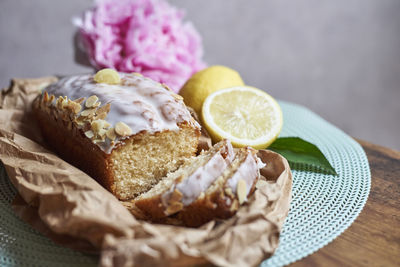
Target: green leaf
297 150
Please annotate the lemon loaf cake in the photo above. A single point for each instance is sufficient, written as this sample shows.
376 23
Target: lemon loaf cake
124 130
180 188
223 197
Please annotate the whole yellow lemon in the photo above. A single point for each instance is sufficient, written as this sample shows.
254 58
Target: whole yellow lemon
207 81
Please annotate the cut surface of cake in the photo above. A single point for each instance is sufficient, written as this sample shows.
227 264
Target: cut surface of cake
126 135
222 198
180 188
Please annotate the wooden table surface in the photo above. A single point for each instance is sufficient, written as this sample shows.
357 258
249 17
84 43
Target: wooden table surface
374 237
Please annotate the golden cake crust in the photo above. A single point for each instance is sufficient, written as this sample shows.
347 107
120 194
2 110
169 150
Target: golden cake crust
185 185
220 202
91 136
73 146
212 206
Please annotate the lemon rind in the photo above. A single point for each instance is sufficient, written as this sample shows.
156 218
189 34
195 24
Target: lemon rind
217 133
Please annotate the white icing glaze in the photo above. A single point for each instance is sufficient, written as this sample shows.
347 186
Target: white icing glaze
141 103
228 152
260 164
247 171
203 177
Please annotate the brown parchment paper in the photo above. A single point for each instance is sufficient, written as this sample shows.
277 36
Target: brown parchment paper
73 209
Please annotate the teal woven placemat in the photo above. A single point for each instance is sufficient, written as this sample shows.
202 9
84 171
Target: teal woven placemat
323 206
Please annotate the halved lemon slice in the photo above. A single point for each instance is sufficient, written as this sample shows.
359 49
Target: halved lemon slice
245 115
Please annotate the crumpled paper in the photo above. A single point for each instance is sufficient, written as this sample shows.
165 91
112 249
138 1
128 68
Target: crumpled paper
74 210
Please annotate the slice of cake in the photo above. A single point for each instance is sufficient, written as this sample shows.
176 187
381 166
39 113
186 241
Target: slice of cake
127 132
180 188
223 198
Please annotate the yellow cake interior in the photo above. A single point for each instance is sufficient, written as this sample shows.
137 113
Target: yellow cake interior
146 158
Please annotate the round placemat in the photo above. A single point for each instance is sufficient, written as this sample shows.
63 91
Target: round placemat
323 206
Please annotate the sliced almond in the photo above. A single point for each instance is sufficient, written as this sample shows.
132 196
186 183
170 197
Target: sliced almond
228 191
77 107
59 101
111 134
100 116
80 120
202 195
105 108
79 100
45 97
176 196
80 123
91 101
96 105
97 125
102 134
122 129
106 124
74 107
52 97
174 203
89 134
98 140
241 191
166 87
178 97
234 205
88 112
173 208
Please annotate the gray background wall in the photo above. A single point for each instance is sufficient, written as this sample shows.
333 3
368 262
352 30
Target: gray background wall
341 59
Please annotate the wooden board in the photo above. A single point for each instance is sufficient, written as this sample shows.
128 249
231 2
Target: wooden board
374 238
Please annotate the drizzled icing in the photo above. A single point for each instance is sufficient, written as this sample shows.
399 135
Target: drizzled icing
204 176
247 171
141 103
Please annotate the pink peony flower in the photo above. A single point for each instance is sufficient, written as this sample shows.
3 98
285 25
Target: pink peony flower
145 36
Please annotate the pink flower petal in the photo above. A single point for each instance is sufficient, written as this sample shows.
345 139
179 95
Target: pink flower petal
146 36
